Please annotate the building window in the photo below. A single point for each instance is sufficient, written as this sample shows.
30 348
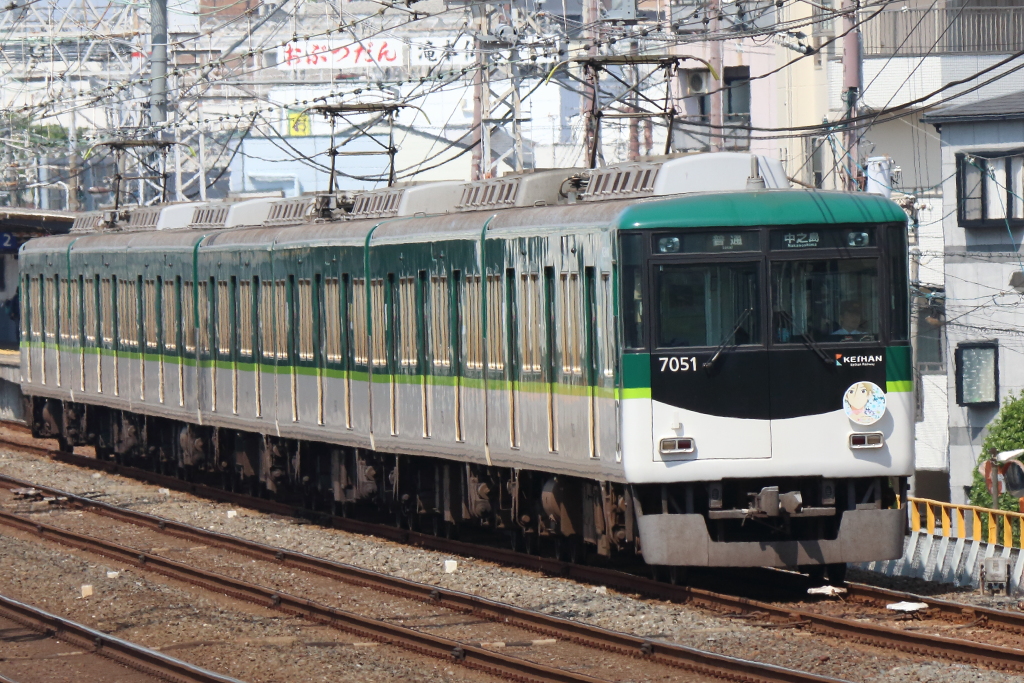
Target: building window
931 316
977 373
989 185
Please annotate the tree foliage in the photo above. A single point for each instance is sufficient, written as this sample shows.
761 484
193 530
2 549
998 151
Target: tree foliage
1006 433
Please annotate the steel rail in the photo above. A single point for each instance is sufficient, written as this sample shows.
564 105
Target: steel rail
513 668
984 616
592 636
375 629
129 654
881 636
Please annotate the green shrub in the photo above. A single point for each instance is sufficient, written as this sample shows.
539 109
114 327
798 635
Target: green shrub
1006 433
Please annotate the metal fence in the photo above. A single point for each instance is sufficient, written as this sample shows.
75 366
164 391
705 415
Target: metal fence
998 527
916 32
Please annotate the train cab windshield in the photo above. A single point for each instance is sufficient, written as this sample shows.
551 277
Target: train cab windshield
778 286
828 300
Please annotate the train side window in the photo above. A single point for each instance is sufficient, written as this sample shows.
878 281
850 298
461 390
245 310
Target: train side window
64 311
495 323
632 291
607 323
379 322
358 317
245 317
223 319
107 311
305 319
281 319
203 304
440 328
168 305
530 322
266 322
150 318
90 312
188 317
899 287
50 310
75 312
128 314
407 322
473 329
570 324
34 308
332 319
26 288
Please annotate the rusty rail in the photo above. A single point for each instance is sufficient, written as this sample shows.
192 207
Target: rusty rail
129 654
584 634
881 636
699 661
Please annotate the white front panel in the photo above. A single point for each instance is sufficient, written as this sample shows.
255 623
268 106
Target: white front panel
715 438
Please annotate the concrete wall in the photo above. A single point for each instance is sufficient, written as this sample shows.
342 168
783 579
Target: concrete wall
980 304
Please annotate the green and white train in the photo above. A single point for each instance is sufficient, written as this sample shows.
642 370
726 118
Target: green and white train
683 358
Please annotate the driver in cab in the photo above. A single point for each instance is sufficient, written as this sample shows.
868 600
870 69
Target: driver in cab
851 321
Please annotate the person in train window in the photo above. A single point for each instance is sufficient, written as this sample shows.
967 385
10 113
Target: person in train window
851 320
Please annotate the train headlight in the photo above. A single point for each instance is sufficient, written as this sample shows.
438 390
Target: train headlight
668 245
858 239
866 440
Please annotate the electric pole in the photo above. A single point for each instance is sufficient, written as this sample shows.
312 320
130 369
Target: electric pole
717 94
852 75
158 61
590 107
480 18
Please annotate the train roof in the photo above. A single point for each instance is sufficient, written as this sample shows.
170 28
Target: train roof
761 208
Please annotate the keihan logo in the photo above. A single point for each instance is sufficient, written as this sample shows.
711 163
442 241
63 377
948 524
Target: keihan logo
839 359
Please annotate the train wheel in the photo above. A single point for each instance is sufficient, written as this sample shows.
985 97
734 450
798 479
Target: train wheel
836 573
63 446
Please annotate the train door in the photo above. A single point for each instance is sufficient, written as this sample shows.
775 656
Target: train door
590 319
828 317
709 360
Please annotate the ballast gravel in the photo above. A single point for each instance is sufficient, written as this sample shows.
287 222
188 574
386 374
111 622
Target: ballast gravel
690 626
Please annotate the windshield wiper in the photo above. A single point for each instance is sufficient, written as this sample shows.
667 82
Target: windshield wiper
709 364
807 339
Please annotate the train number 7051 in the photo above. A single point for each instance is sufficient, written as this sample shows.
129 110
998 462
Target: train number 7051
678 364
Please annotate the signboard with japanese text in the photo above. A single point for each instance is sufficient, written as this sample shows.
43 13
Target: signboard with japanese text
298 123
339 53
442 50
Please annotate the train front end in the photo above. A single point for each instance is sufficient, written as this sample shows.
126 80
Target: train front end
766 384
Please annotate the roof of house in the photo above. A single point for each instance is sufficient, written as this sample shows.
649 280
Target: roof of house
1005 108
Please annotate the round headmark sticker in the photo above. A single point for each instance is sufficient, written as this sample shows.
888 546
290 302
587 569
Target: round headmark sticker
864 403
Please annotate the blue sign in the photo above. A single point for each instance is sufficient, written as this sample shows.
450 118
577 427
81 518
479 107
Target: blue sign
7 242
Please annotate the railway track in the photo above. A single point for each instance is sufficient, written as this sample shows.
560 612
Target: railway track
136 657
648 651
940 647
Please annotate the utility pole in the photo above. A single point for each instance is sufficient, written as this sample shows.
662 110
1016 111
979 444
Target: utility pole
717 94
480 18
852 75
591 91
73 180
158 61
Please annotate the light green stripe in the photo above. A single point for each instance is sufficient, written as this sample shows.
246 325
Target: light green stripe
899 386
